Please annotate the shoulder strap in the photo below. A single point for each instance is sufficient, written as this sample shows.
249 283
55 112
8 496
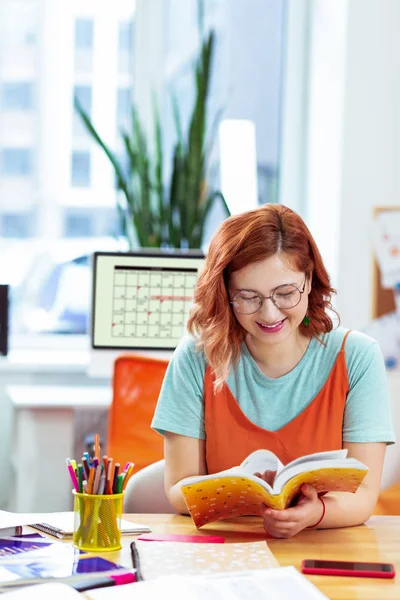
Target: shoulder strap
344 340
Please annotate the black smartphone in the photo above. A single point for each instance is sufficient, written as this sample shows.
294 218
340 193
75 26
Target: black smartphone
348 568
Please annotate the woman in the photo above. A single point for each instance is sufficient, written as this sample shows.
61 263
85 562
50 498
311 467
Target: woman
264 368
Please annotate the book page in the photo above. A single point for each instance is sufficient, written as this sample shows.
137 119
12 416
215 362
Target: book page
274 584
317 456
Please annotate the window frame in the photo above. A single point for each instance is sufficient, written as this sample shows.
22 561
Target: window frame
149 72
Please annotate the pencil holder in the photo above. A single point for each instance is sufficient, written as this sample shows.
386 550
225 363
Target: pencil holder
97 521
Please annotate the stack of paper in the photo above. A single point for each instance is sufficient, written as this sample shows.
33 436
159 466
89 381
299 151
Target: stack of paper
284 583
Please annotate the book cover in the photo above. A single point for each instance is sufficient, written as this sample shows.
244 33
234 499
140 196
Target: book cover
238 492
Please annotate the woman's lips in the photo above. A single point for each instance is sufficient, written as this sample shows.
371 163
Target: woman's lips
273 328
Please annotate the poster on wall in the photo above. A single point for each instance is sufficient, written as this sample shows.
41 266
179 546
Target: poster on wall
385 325
386 243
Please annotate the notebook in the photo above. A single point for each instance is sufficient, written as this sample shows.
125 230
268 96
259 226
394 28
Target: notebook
282 583
158 559
61 525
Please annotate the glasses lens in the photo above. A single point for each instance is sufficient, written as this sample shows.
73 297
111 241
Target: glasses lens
286 296
246 304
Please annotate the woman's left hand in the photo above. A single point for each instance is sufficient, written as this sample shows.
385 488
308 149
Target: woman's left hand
286 523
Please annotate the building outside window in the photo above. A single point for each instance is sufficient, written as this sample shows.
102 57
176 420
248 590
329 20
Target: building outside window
84 33
17 95
61 186
15 162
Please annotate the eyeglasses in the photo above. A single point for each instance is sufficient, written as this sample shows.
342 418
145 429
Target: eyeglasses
248 302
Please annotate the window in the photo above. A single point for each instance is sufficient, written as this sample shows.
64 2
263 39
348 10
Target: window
80 172
78 225
17 96
16 162
16 225
124 107
84 34
125 47
84 95
247 71
126 37
50 170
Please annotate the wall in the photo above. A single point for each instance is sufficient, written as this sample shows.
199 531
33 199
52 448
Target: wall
371 144
352 147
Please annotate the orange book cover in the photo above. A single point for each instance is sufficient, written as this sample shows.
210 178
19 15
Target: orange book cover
238 492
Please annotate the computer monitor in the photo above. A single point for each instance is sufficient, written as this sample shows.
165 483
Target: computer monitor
141 300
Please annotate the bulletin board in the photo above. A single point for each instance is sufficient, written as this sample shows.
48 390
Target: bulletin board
382 296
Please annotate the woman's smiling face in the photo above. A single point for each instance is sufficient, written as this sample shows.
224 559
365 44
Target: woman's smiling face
270 324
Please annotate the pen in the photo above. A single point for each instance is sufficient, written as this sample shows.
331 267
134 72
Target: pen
110 476
96 446
102 484
85 465
80 478
73 477
106 581
91 480
127 476
96 480
115 478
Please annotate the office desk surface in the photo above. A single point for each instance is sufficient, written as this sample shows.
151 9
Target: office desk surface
378 540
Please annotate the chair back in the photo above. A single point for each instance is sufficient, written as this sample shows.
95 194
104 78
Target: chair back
145 492
137 382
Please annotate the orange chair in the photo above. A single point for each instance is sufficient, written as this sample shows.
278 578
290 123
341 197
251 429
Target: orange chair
136 386
389 501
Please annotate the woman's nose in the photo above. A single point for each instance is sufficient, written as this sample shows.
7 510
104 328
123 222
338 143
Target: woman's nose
269 312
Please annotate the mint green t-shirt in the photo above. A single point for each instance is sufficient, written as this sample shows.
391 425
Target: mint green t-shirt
272 403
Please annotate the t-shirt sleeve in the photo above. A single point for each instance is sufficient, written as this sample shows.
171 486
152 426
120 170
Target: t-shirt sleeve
367 416
180 407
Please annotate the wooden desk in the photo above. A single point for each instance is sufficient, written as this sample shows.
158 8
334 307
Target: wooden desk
379 540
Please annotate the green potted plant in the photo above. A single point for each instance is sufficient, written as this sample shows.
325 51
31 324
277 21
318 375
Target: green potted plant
155 213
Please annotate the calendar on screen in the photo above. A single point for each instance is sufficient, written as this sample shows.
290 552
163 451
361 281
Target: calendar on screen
142 300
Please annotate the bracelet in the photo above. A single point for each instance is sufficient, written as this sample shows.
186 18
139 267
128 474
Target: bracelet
322 516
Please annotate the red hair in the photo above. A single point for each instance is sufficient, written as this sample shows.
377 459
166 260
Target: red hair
241 240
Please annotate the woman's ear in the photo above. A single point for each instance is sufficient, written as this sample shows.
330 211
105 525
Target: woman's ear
309 283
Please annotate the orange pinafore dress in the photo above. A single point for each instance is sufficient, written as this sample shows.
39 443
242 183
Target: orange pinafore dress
231 436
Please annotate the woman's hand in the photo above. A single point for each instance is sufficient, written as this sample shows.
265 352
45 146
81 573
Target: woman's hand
286 523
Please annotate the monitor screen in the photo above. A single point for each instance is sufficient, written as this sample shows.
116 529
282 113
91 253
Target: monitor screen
142 299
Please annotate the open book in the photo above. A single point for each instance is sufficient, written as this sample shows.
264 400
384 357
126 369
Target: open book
238 491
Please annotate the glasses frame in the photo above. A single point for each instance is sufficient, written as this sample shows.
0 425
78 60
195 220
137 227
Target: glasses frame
271 297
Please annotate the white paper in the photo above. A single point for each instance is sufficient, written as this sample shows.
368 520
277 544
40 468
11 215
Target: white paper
283 583
44 591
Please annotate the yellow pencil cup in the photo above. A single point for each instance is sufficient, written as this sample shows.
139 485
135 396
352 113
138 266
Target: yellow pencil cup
97 521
